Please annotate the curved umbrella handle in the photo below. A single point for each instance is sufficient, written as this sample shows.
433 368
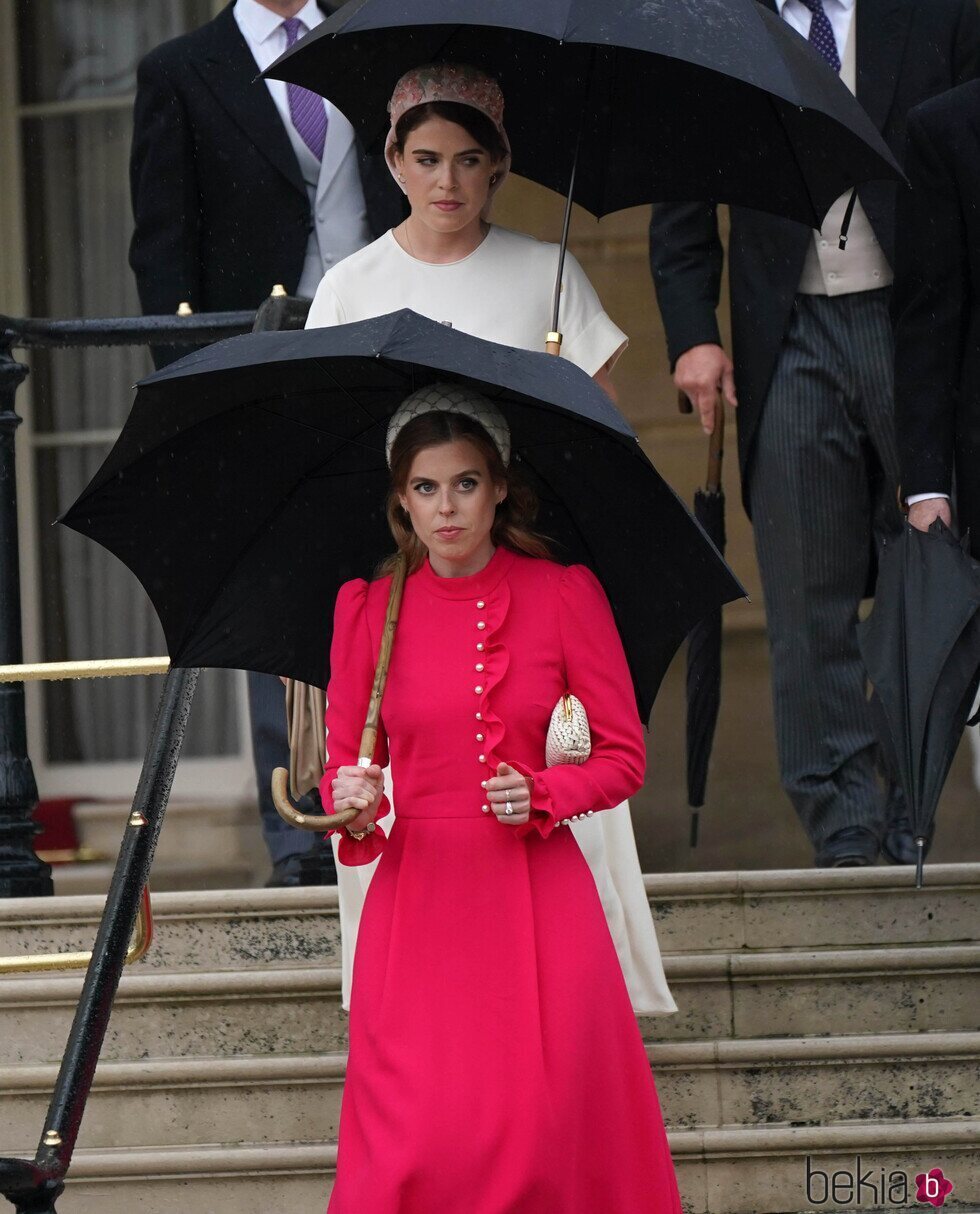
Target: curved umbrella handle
289 813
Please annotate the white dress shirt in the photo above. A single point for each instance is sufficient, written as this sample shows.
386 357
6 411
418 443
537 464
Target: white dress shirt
840 14
262 30
333 185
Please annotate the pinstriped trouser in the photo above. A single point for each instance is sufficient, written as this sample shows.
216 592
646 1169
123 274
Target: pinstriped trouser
822 488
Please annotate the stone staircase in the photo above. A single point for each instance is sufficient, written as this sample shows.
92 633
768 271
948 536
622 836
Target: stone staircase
824 1016
203 845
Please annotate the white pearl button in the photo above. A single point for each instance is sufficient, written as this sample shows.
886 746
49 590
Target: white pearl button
478 689
481 625
483 783
480 646
590 813
479 716
485 808
479 737
479 667
483 758
481 604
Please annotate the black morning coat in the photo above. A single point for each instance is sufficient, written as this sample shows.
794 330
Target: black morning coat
907 52
222 213
937 305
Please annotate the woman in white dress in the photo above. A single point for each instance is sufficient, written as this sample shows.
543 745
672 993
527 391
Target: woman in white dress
449 153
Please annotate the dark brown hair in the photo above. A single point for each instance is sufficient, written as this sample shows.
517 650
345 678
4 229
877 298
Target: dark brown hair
513 525
473 121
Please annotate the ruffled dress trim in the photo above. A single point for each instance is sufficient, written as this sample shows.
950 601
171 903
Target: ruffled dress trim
351 851
544 817
490 587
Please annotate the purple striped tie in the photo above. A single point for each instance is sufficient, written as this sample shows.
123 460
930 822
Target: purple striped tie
822 33
306 109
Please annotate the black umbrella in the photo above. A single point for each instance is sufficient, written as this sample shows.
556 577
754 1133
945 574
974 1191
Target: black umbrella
622 104
704 643
257 465
921 648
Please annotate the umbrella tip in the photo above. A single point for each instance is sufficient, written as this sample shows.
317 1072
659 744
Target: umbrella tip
920 862
695 822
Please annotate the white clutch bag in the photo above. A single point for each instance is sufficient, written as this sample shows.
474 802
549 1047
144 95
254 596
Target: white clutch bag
569 739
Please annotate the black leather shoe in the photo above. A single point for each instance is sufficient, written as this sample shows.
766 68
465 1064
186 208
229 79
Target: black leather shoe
899 845
314 867
852 847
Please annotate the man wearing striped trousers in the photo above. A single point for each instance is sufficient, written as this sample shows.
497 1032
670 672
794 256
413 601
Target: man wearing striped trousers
812 376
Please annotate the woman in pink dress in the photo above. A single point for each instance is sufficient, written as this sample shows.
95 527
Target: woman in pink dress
495 1065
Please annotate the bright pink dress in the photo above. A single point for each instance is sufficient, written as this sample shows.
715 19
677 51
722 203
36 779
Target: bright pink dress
496 1066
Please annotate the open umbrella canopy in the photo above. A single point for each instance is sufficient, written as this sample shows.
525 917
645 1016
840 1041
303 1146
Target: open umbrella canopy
249 483
921 648
711 99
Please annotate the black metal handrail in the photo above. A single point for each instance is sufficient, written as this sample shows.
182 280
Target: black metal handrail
189 330
33 1186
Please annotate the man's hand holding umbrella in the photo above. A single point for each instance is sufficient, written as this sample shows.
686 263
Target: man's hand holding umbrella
702 374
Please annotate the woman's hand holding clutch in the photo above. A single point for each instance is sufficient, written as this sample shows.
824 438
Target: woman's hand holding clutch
508 796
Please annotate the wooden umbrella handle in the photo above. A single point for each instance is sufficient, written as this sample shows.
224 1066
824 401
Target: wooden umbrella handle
369 738
716 449
289 813
716 444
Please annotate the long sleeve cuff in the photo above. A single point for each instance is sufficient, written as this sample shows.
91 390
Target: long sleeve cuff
544 816
354 852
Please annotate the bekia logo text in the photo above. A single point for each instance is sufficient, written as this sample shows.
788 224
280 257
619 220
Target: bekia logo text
874 1188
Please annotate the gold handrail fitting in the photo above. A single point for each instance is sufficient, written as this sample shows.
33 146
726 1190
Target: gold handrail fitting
47 963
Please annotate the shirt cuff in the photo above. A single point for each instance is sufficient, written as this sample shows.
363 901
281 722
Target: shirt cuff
925 497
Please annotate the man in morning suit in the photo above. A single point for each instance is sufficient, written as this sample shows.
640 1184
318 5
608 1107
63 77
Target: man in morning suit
812 375
937 313
238 185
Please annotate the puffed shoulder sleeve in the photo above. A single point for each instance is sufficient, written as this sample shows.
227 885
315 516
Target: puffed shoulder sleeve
597 673
590 339
352 664
326 308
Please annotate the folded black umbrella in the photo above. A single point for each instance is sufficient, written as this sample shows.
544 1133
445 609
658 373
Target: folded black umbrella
704 643
921 648
256 466
717 99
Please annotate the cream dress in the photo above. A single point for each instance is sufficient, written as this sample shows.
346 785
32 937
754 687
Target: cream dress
502 292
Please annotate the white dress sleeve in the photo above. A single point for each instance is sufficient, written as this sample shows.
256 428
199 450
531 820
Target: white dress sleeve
326 308
590 339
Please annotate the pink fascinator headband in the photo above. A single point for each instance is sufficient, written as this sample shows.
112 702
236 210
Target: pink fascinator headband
454 82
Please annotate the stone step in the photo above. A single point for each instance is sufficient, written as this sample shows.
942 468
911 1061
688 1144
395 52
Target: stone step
696 912
721 1171
276 1099
198 828
815 908
76 880
295 1011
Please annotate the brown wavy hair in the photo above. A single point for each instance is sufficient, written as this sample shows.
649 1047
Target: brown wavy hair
513 526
